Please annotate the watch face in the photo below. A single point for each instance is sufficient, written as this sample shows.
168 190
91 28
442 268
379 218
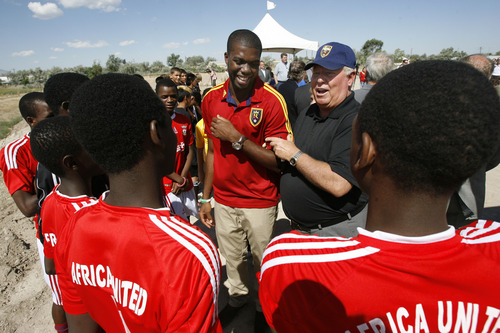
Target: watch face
293 161
237 145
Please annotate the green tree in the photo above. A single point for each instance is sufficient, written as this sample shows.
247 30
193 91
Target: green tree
157 67
399 55
95 70
113 64
129 68
173 59
371 46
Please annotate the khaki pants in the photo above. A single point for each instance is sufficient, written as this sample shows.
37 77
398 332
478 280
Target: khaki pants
234 227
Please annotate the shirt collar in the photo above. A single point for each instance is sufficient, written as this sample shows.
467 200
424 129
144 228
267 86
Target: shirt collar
385 236
255 96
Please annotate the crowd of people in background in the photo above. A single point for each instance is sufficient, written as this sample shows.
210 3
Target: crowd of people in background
383 187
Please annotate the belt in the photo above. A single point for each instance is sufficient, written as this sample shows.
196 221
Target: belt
344 217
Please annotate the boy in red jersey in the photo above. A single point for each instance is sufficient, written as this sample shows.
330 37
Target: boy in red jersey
414 142
178 186
54 145
16 161
134 266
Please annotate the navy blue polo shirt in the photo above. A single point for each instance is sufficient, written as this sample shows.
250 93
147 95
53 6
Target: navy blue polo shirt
327 139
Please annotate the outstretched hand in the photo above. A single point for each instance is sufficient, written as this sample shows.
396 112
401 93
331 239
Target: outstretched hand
283 149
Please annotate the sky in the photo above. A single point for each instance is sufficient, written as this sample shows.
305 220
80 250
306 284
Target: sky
68 33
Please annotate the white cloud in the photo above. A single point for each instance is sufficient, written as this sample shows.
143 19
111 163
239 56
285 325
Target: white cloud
201 41
117 53
127 42
52 58
44 12
185 43
78 44
23 53
104 5
172 45
57 49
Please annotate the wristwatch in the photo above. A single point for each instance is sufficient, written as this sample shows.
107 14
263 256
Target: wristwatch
238 145
293 160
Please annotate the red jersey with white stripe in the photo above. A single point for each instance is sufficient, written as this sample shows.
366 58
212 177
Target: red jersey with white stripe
380 282
18 165
56 211
238 180
181 126
139 270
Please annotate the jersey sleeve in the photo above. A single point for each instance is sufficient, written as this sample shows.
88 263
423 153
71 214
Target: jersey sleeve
18 172
189 134
72 302
200 134
277 123
49 229
206 112
339 158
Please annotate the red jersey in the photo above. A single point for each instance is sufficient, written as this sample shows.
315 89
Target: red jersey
182 129
139 270
380 282
56 211
18 165
239 181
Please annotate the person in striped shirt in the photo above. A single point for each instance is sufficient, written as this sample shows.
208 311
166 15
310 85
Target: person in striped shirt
54 145
420 132
16 160
134 266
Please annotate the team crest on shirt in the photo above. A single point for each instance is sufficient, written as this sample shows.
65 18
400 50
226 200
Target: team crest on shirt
325 50
255 116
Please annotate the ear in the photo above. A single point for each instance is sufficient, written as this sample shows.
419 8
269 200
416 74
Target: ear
367 152
226 58
351 78
64 108
31 121
70 162
154 132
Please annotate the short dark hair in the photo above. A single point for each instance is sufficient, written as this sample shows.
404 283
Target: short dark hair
27 104
190 77
166 83
283 54
434 123
51 140
60 87
183 92
244 37
174 69
111 116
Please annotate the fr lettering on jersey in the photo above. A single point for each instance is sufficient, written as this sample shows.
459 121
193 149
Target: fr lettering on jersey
126 293
451 317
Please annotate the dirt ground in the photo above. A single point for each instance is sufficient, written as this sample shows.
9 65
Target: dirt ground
25 300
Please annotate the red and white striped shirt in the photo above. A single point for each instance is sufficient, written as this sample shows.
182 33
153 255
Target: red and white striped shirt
18 165
381 282
139 270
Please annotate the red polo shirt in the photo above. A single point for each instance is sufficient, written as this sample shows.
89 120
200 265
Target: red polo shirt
239 181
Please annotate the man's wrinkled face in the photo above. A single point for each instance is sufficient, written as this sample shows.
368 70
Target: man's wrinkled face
330 87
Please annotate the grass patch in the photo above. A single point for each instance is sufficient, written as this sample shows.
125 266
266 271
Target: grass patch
5 91
6 126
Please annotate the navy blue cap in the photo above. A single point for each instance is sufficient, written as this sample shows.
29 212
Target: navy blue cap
333 56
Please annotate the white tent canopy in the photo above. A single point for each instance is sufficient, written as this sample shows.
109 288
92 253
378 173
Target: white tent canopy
275 38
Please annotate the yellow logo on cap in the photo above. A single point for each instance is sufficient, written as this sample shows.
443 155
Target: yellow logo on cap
325 50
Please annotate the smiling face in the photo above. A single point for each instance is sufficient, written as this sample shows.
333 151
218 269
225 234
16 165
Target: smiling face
168 96
330 87
176 76
243 66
